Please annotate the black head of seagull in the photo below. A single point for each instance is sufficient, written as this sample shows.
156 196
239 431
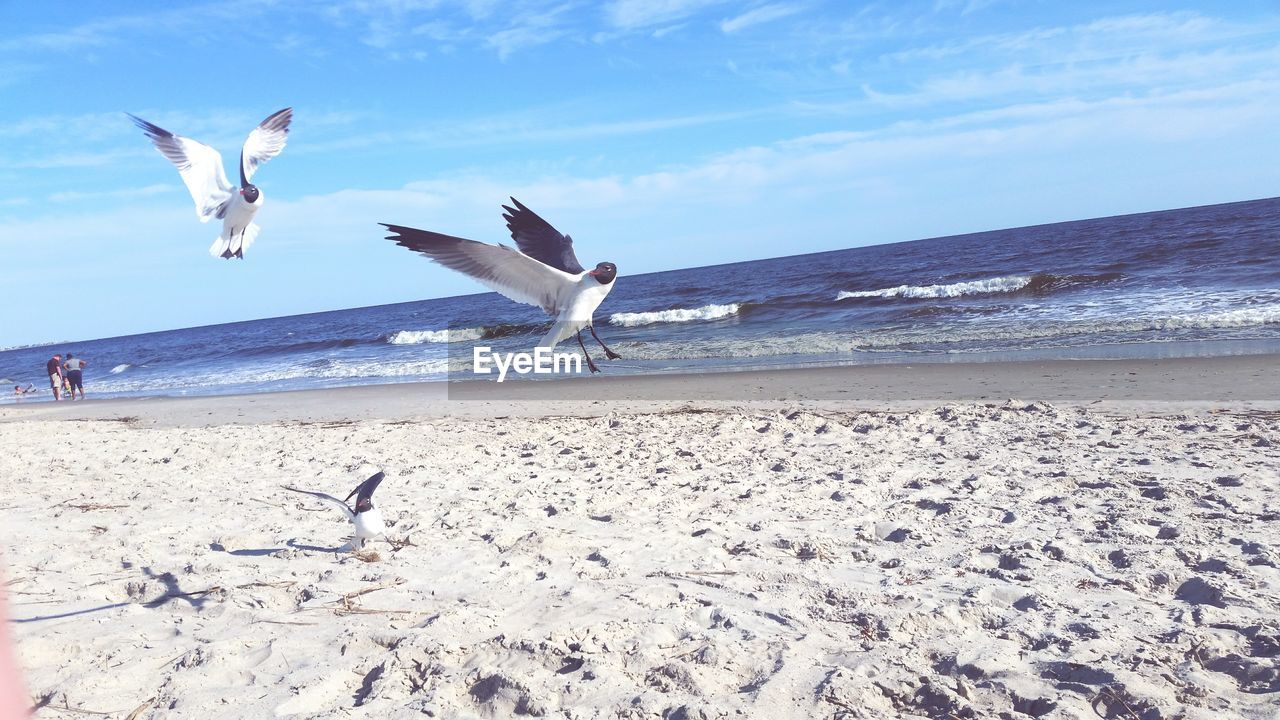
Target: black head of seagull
364 493
604 273
247 189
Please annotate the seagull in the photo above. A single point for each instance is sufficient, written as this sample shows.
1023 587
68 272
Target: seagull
544 271
201 169
366 517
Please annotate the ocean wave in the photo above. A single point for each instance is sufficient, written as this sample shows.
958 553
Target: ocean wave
307 346
1223 319
263 377
706 312
1238 323
120 368
1009 283
418 337
29 346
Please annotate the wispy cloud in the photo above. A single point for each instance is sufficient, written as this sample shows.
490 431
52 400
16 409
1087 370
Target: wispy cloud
70 160
758 16
1140 73
541 126
530 30
964 7
116 30
118 193
639 14
411 29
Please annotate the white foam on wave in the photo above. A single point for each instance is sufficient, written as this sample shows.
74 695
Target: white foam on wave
706 312
418 337
1238 318
263 374
120 368
1010 283
1239 323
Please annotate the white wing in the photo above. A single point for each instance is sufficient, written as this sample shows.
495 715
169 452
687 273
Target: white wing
199 165
265 142
327 498
503 269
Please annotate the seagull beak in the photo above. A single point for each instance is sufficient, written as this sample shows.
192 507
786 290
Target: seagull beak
594 273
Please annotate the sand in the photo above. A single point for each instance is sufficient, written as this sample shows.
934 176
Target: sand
1097 548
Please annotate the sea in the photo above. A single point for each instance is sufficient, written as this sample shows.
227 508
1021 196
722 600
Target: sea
1202 281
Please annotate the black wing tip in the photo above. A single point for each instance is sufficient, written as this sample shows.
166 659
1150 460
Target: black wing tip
149 128
519 208
278 120
401 231
371 483
423 241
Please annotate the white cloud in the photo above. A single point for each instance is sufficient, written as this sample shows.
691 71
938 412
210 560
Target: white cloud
114 30
758 16
529 30
638 14
1142 72
129 193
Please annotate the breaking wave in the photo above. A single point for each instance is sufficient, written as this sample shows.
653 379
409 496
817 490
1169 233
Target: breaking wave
1241 323
120 368
418 337
268 376
706 312
1009 283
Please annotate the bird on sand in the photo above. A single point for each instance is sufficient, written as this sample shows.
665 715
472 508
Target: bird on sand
366 518
201 169
543 272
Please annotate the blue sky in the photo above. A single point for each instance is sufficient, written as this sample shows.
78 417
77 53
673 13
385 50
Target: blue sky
659 133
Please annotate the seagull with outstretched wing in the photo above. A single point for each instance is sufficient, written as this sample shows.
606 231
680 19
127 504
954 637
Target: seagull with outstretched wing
544 272
201 169
366 518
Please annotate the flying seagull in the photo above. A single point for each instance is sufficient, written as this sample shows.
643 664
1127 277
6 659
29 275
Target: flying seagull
201 169
543 272
366 517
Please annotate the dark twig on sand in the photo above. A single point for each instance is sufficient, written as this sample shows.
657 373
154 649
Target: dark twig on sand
137 712
1109 694
86 507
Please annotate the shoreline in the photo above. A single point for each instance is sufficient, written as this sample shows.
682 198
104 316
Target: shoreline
1164 385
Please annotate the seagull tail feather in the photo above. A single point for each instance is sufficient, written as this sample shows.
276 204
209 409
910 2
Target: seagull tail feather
559 331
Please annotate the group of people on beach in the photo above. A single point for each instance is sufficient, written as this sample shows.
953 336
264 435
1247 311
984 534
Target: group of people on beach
65 377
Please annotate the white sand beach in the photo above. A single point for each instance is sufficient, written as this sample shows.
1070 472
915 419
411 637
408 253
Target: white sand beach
1058 540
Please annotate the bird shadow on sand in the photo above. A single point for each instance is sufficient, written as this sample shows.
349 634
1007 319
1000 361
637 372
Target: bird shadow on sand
316 548
172 591
73 613
246 552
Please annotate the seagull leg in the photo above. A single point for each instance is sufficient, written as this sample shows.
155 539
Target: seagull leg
608 353
590 364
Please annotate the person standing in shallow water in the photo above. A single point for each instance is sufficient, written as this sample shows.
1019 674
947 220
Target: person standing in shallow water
75 375
54 368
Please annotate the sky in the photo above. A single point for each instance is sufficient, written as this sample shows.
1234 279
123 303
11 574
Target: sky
660 134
